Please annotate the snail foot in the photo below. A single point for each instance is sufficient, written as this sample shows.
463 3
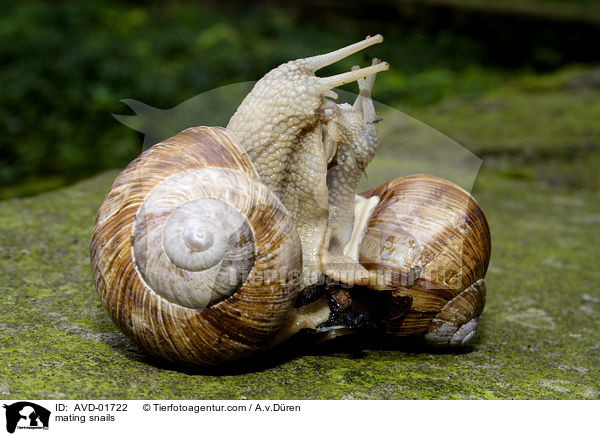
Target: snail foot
346 270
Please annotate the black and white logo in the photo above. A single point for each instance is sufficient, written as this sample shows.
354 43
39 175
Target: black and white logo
26 415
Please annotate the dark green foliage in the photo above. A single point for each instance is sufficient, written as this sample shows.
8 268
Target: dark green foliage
64 66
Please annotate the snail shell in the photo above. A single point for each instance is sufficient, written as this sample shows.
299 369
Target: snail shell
430 239
193 257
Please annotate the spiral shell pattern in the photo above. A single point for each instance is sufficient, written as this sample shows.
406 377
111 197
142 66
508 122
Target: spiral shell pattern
193 243
195 259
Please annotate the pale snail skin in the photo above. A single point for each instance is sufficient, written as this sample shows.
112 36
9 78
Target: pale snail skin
292 133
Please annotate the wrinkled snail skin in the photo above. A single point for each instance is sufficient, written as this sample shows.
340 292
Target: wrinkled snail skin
429 239
290 131
354 133
182 307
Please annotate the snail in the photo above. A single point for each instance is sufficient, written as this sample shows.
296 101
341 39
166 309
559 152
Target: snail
204 241
180 245
428 242
433 239
214 244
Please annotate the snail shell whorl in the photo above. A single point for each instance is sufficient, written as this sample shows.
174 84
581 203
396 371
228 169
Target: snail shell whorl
193 243
433 239
457 322
166 275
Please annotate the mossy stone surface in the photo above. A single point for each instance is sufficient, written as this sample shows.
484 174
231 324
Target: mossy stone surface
539 335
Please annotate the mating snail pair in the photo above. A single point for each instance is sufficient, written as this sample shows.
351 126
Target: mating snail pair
216 242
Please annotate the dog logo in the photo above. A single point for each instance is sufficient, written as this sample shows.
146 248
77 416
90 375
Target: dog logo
26 415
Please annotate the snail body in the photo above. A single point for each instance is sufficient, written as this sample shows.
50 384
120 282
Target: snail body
292 133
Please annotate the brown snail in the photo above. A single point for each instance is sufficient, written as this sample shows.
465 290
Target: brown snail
428 243
433 241
179 246
204 243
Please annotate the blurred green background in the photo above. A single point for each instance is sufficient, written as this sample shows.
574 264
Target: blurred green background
64 66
